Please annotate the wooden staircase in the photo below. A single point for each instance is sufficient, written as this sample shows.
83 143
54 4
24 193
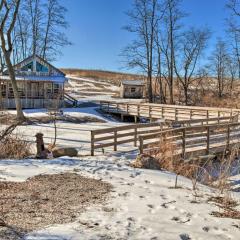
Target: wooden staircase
73 102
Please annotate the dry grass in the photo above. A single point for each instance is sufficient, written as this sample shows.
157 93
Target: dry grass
227 207
14 147
48 199
113 77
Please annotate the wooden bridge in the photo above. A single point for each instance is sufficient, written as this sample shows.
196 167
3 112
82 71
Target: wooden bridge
194 131
167 112
194 141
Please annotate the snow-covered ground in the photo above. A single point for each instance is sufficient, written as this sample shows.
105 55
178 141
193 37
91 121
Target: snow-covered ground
68 134
143 204
84 89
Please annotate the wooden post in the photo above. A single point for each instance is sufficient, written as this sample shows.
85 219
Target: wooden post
176 114
135 119
207 116
219 115
41 151
141 144
191 114
162 112
115 140
117 107
149 111
183 143
135 136
122 117
127 108
228 137
138 110
92 143
208 140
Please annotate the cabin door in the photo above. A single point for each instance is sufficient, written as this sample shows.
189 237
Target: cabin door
35 90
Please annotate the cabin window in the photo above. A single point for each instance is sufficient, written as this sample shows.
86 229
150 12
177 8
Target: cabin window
56 88
41 68
41 89
21 90
28 67
10 91
133 90
3 90
49 88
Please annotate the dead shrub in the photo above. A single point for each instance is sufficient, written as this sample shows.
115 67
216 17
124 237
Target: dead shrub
14 147
166 155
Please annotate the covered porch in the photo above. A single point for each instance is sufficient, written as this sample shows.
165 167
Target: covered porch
33 94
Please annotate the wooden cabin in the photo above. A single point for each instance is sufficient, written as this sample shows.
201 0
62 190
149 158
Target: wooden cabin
132 89
40 85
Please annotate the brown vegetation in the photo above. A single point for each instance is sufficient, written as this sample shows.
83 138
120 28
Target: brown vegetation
112 77
48 199
14 147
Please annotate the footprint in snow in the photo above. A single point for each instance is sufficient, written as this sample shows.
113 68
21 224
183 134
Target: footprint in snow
135 174
184 236
165 205
206 229
150 206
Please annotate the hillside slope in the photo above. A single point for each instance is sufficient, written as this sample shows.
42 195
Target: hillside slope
108 76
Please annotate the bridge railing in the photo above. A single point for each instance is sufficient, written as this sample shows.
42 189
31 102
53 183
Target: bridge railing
167 112
195 139
115 136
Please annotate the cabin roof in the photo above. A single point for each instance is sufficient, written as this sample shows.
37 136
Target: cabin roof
133 82
54 79
39 58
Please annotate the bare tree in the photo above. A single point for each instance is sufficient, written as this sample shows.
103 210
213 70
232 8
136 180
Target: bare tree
159 75
219 61
53 36
39 30
140 54
34 11
2 62
233 69
172 18
234 6
192 45
9 11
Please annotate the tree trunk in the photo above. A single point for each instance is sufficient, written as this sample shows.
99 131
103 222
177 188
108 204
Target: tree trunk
11 72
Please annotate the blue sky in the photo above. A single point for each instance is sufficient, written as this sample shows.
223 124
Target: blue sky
95 29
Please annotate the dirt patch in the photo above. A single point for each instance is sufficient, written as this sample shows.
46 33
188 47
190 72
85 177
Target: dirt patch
65 118
48 199
11 119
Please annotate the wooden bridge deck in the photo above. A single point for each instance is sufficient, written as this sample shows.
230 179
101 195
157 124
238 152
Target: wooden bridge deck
166 112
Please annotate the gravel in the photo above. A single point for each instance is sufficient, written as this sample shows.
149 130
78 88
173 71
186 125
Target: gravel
48 199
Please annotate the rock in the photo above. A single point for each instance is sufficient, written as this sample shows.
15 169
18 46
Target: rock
61 152
145 161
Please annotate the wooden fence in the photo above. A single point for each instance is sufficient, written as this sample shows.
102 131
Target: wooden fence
203 121
190 140
167 112
112 137
115 136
